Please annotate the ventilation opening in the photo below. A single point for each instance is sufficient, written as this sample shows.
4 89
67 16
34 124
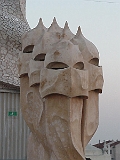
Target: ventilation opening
79 65
57 65
40 57
28 49
94 61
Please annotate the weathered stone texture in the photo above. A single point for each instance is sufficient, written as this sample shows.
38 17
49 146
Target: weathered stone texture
12 25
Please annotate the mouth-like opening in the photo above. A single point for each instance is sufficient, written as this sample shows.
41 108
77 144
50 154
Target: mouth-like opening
98 90
83 97
57 65
55 94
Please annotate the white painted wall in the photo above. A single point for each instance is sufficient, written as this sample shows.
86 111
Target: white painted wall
96 154
99 157
117 152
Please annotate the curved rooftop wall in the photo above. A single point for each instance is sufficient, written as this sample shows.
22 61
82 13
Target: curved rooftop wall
12 26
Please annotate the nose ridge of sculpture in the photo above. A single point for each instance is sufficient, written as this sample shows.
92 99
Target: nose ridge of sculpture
63 81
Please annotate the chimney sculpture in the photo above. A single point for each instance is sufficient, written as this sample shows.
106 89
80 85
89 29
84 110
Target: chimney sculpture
60 82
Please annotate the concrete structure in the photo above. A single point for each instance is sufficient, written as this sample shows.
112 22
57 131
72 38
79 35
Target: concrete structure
111 147
13 130
60 82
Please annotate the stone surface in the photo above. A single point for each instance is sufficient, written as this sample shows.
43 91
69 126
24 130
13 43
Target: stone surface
12 25
60 81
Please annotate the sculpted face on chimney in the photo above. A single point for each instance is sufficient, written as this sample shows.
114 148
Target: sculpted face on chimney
60 81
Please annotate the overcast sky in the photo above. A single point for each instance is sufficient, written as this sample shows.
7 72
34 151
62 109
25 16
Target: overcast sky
100 23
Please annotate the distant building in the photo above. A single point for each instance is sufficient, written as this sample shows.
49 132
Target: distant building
94 153
111 147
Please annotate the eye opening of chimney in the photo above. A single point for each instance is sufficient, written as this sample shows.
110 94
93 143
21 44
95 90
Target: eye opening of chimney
40 57
79 65
94 61
28 49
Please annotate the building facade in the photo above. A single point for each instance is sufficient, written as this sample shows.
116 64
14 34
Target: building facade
94 153
111 147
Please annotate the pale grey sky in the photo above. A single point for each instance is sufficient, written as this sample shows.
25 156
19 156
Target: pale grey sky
100 23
